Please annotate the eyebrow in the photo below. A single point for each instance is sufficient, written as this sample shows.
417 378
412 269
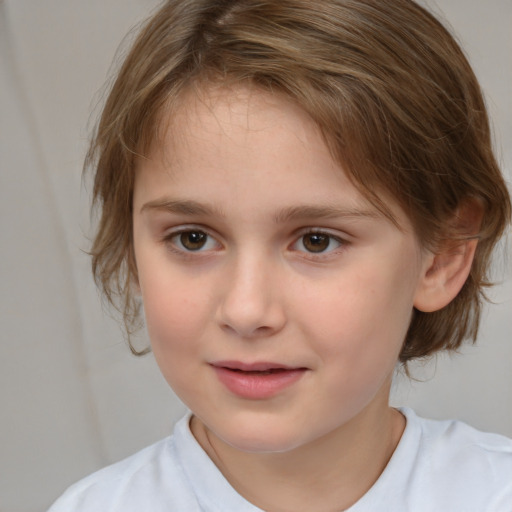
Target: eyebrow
292 213
322 212
184 207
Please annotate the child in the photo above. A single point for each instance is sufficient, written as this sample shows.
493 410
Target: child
301 194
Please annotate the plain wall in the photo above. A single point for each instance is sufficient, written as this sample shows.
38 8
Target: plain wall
72 398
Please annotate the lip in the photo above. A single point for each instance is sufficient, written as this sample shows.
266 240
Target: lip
258 380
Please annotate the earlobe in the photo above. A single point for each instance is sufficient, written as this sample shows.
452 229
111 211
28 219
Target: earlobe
445 271
444 275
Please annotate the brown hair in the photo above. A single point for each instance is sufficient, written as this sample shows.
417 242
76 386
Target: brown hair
390 89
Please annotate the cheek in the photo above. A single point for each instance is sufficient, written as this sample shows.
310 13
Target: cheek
175 311
172 312
360 319
175 324
357 335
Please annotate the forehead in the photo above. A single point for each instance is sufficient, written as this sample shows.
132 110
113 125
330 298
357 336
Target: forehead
225 119
246 138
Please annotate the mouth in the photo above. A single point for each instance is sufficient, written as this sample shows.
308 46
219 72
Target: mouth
257 381
259 372
261 368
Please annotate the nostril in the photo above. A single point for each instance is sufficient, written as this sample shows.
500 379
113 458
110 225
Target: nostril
260 331
249 307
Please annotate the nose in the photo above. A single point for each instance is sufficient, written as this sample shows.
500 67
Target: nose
251 304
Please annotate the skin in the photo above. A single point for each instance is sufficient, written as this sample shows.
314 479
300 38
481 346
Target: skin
249 173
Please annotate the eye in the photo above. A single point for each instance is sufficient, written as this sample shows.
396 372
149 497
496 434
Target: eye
193 240
317 242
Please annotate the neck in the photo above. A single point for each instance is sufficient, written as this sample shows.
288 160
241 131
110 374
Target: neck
328 474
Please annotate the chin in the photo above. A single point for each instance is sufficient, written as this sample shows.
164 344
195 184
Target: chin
258 439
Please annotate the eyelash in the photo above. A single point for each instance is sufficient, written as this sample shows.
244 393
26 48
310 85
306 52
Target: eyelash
173 241
329 237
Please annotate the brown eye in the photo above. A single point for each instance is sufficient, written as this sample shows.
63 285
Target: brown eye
193 240
316 242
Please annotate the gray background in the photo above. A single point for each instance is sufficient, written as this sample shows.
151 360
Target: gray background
72 398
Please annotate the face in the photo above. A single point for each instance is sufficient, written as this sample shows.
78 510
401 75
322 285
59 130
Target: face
276 297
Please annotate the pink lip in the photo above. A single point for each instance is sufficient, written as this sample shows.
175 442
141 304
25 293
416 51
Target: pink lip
256 381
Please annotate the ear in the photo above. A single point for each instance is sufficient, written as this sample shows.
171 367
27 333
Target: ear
446 270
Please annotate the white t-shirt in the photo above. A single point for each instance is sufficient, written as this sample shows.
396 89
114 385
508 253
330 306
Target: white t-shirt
438 466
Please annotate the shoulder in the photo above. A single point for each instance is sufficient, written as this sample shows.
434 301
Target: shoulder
172 475
450 441
441 466
132 484
464 466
